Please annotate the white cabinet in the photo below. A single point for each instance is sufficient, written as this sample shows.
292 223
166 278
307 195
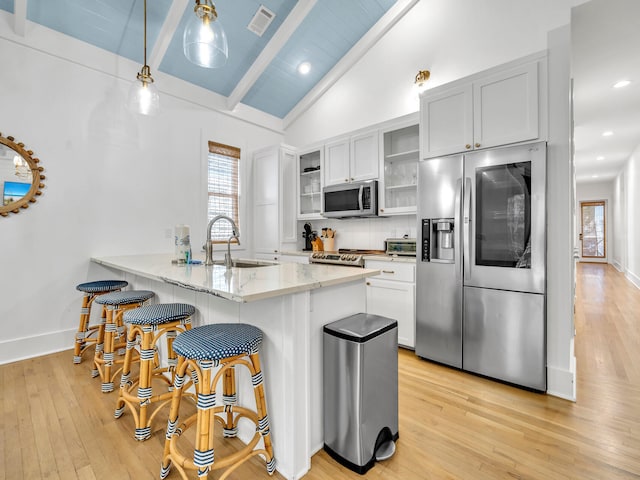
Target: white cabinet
351 159
392 294
309 183
497 107
274 218
400 152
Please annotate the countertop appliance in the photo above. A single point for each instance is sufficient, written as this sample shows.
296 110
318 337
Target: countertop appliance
401 246
348 200
480 287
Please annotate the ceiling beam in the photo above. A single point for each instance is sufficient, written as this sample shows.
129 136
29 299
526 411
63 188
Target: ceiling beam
279 39
167 31
20 17
368 40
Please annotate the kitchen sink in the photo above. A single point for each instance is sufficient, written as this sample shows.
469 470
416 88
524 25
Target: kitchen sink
246 263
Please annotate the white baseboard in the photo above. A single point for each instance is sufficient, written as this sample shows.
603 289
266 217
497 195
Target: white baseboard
633 278
561 383
617 266
36 346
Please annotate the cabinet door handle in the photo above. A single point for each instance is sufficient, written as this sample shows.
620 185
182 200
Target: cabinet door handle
388 271
382 209
346 180
477 145
467 146
352 179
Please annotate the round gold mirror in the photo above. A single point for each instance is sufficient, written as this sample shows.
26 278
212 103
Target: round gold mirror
20 176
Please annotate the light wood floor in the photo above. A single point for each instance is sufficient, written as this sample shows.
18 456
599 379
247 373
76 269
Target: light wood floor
55 423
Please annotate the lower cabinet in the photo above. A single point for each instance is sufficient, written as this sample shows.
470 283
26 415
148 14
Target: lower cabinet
392 294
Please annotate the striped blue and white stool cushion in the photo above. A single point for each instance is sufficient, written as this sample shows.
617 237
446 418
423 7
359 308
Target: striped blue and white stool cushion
218 341
159 314
100 286
123 298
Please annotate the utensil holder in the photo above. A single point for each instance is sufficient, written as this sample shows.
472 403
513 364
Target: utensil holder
329 244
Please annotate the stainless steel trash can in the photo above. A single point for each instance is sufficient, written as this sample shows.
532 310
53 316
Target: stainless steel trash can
360 370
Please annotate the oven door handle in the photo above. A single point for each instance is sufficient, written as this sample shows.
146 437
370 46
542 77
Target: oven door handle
360 195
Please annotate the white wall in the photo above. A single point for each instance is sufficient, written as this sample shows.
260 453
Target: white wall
628 183
451 38
619 214
116 183
596 191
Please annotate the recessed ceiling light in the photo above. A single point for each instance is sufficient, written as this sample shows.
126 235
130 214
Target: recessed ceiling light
600 158
594 176
608 133
621 83
304 68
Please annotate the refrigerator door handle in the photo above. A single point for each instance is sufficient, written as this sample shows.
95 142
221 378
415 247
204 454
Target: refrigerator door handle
467 227
457 260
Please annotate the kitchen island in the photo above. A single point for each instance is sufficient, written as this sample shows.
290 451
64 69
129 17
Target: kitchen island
290 303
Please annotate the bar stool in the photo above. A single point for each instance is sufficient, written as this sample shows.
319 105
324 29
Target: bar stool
147 325
201 349
116 303
91 290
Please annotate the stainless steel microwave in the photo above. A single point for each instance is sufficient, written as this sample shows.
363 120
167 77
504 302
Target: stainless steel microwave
347 200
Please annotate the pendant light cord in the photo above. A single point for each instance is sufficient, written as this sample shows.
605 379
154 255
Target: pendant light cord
145 33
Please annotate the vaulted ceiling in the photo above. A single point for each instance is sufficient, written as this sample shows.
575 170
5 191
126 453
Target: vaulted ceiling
261 71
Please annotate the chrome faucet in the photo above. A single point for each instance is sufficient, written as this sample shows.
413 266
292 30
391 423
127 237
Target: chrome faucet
208 247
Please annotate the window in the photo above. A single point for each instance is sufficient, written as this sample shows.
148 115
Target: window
223 188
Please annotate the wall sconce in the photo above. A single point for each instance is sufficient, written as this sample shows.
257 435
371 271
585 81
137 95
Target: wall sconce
421 79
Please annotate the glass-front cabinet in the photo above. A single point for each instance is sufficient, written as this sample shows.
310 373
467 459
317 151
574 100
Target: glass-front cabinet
309 183
399 161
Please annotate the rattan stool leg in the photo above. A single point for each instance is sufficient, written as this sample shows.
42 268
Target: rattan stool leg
172 422
99 342
261 407
85 312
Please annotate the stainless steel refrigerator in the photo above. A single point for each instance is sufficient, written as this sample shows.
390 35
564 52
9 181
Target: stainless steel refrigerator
481 267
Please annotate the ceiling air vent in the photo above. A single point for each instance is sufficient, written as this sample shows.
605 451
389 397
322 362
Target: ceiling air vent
261 20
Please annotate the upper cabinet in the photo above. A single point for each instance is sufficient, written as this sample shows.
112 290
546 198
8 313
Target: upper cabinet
309 183
351 159
399 155
503 105
274 219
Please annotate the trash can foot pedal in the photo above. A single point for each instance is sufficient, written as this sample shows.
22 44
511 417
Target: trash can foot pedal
385 451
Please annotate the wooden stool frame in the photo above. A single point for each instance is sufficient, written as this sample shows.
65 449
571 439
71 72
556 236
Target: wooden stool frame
205 417
85 331
140 402
114 329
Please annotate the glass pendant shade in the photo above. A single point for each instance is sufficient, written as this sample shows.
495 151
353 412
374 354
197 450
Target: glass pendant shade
204 40
144 97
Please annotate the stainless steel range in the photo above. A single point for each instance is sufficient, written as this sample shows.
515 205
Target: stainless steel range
348 258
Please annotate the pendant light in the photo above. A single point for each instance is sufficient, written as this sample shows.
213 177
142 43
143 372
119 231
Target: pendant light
143 94
204 40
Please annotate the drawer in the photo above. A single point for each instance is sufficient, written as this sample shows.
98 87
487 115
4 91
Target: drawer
402 272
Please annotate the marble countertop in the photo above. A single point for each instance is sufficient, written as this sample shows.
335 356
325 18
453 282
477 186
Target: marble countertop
237 284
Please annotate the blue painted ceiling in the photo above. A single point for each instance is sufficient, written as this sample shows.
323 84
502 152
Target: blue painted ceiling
328 31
